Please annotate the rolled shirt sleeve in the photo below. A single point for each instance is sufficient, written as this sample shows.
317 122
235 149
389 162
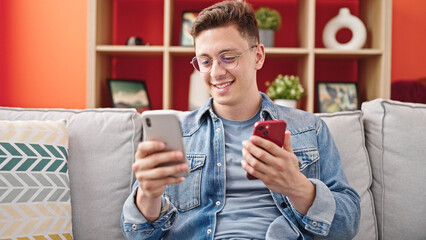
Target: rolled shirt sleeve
134 224
320 215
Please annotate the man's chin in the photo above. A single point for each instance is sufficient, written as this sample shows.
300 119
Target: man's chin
223 100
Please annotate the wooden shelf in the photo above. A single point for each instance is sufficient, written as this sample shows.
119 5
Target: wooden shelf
130 50
346 54
286 52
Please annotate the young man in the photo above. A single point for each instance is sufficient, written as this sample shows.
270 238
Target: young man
301 191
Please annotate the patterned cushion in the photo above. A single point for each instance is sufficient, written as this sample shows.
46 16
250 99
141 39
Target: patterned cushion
34 184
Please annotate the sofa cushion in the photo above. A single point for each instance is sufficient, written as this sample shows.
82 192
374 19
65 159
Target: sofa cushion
102 143
395 139
348 134
34 183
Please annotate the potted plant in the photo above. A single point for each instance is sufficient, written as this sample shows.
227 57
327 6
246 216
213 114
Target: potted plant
285 90
268 21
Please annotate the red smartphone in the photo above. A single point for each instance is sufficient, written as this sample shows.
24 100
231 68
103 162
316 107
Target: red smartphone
273 130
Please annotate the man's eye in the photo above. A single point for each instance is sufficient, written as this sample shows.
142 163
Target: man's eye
204 62
228 58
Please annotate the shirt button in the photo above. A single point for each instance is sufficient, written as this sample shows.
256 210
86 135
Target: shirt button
314 224
219 164
283 205
134 227
217 129
209 231
218 203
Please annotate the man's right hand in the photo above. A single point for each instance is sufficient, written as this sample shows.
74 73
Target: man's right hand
153 178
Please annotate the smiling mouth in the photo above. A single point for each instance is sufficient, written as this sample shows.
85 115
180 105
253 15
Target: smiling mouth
223 85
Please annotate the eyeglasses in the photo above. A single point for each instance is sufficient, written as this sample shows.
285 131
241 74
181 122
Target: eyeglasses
228 60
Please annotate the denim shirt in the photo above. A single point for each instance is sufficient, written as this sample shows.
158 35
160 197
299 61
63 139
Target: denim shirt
189 208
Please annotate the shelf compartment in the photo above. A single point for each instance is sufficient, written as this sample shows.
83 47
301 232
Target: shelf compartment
328 9
140 68
364 71
286 36
142 19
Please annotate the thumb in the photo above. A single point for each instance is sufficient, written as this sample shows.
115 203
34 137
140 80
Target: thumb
287 141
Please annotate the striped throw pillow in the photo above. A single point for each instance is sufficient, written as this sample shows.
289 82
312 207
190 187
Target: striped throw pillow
34 184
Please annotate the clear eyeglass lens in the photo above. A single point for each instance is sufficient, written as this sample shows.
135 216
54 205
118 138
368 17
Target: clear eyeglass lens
202 64
228 60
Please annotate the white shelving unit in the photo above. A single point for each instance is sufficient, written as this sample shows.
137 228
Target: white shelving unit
373 59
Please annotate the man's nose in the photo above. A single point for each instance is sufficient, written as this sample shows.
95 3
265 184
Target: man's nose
217 68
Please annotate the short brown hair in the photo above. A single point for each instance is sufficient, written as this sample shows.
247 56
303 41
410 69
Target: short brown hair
228 12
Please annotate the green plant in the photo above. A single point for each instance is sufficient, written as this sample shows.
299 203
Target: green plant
268 18
285 87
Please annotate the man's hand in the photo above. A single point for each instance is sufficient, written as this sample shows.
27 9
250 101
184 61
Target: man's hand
153 178
278 168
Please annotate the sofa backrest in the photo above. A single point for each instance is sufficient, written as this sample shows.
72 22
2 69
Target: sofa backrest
396 141
102 143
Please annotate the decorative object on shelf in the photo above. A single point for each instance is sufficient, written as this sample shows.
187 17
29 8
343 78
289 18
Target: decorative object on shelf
269 21
337 96
185 34
198 94
285 90
344 20
129 94
291 103
133 41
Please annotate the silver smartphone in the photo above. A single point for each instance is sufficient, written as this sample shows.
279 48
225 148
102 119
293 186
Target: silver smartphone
164 125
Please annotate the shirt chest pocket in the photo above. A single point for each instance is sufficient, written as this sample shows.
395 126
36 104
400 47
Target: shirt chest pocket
186 195
308 162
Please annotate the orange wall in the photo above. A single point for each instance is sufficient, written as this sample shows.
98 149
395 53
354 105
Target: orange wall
408 39
43 50
43 53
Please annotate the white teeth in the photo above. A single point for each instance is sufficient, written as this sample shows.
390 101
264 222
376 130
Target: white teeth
223 85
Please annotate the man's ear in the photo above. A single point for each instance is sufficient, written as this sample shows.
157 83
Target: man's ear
260 56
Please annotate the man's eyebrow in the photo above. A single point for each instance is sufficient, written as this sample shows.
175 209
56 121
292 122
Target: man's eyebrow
228 50
221 51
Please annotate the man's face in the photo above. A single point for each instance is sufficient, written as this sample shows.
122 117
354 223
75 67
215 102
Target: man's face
229 87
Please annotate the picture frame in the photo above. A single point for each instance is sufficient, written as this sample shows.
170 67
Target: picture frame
188 17
126 93
337 96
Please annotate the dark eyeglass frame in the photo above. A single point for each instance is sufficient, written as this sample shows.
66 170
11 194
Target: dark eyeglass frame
220 60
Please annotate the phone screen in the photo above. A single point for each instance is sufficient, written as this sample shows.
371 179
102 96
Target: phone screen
164 126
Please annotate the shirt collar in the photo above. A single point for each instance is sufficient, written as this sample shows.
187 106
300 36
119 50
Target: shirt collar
268 110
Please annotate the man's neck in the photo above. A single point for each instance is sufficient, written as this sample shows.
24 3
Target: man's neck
241 111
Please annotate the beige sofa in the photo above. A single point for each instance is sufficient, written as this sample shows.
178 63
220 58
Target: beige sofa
383 149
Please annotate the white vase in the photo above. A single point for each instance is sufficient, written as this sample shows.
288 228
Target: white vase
344 20
266 37
286 102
